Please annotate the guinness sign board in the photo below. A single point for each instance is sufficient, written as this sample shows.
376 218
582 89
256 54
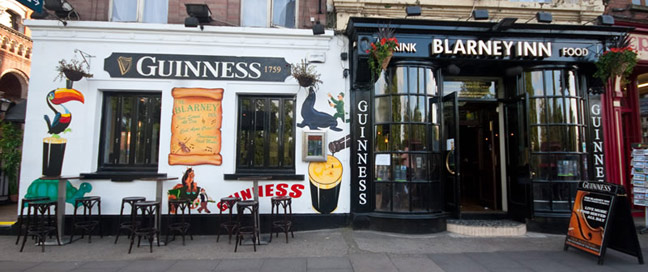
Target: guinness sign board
192 67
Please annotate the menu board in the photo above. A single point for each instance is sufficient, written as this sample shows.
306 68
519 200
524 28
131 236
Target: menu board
639 174
196 126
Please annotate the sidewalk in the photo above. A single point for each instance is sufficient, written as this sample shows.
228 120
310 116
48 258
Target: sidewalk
322 250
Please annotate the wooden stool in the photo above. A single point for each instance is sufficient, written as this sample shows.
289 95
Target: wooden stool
40 222
282 222
229 226
146 213
23 205
127 225
247 226
87 223
177 222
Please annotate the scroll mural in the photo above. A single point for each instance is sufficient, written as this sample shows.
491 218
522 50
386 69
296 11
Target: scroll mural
196 126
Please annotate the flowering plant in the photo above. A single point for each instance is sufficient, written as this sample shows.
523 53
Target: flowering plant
618 61
381 51
305 74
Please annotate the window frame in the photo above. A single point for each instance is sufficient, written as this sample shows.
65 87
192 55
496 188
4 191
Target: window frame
131 165
269 14
139 16
241 168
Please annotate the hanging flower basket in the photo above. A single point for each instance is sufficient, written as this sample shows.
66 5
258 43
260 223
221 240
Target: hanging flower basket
305 74
72 71
381 51
618 61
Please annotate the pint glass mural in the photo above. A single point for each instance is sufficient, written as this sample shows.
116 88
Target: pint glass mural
325 178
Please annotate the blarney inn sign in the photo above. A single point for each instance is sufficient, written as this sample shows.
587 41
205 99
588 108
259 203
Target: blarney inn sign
192 67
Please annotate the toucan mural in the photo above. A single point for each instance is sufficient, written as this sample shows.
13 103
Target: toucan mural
62 116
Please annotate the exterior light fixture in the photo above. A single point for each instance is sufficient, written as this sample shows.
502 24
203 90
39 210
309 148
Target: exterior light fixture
318 28
504 24
480 14
544 17
413 10
199 14
605 20
4 105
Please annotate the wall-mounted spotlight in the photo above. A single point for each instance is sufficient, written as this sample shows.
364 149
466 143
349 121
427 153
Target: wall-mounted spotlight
504 24
63 11
544 17
413 10
480 14
199 14
605 20
318 28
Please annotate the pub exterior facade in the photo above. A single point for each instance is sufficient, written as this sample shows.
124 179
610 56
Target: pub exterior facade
210 107
472 120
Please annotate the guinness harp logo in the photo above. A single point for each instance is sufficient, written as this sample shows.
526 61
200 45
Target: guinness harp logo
124 64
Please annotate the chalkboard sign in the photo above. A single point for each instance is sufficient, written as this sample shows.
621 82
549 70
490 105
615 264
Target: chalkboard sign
601 218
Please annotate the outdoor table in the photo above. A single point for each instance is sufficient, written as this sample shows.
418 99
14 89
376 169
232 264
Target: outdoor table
60 208
159 182
255 191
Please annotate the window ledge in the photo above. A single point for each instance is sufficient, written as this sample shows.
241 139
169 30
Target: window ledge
121 175
270 176
638 8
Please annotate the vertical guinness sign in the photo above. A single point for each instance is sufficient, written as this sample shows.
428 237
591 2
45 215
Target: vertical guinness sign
361 152
596 138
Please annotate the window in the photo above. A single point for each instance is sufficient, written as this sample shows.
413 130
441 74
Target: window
266 134
130 132
556 121
258 13
407 144
143 11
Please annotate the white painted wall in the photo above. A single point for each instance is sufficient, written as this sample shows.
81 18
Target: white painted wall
53 42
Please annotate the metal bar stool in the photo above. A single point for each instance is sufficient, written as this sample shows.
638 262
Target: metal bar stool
127 225
283 223
87 224
177 222
144 223
21 218
247 226
229 225
41 222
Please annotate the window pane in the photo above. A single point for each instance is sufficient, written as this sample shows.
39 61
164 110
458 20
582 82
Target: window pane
383 109
399 164
124 11
412 78
110 130
562 199
383 172
542 166
255 13
430 82
400 80
283 13
273 134
399 137
383 196
125 129
155 11
533 83
288 132
399 108
417 108
435 138
140 133
549 83
421 197
259 133
556 110
537 110
382 137
418 140
156 105
542 196
558 83
401 197
419 167
246 130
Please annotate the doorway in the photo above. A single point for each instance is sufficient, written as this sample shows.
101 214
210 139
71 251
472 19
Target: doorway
479 133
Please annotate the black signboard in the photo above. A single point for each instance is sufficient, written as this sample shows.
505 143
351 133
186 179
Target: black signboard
192 67
601 218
